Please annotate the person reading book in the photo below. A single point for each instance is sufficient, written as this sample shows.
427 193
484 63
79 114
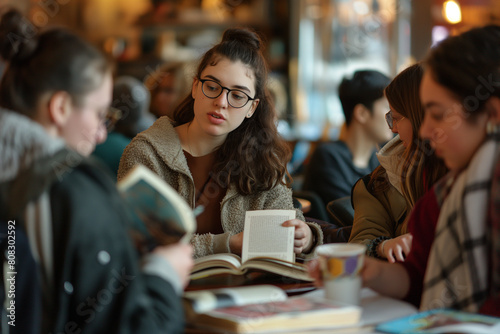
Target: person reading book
267 247
222 151
408 168
458 265
58 89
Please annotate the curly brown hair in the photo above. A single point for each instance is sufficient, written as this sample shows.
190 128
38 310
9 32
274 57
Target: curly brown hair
253 156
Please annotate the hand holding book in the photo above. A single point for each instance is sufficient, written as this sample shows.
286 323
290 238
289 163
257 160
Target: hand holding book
302 239
180 258
267 246
303 236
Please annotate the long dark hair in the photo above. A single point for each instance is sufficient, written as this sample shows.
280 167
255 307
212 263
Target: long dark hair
41 62
469 66
420 167
253 156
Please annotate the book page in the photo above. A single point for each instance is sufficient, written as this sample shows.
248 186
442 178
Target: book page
265 237
227 260
280 267
228 263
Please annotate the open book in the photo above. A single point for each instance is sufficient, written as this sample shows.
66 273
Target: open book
264 308
267 246
160 215
227 263
442 321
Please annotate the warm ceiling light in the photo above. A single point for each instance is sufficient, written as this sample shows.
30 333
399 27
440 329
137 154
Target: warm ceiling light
452 12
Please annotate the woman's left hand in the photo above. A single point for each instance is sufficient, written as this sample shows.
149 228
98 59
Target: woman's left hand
396 249
303 236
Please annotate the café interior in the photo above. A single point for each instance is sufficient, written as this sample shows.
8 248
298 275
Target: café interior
310 44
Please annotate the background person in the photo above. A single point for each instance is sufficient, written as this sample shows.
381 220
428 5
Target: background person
131 104
408 168
168 86
336 166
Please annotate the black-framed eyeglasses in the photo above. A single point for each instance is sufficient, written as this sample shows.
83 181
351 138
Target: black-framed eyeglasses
113 115
235 97
390 120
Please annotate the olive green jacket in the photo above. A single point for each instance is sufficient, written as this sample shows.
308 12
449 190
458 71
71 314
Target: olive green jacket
380 213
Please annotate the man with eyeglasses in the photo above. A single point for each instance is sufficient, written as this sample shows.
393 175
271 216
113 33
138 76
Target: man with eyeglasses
336 166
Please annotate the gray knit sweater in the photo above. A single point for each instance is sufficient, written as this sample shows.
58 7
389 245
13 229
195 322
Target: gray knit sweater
159 149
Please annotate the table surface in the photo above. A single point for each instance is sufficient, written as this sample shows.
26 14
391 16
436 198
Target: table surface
376 308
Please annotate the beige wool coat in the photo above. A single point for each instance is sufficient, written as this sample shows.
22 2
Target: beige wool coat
159 149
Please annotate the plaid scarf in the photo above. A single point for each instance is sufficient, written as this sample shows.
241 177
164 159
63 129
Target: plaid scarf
457 270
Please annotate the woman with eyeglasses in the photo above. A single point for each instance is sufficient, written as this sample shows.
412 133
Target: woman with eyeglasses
88 277
408 168
222 151
455 257
458 265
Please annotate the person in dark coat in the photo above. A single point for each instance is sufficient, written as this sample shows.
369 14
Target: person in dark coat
92 280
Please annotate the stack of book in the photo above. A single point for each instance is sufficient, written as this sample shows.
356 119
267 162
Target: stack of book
264 308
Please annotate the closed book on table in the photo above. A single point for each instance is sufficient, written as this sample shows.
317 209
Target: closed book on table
282 315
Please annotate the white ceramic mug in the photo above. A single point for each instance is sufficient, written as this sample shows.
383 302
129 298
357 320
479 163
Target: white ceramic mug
340 265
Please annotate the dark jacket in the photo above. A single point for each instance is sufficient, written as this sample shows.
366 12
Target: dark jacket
331 172
91 277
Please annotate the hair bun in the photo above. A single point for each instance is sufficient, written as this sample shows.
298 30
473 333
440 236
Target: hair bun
18 37
242 35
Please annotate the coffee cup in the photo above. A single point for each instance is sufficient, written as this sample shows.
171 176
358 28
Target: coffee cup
340 265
